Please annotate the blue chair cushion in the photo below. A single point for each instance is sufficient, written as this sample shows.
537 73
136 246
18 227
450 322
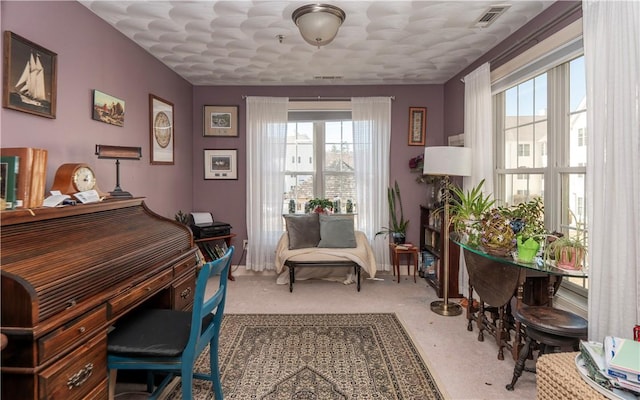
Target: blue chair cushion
153 333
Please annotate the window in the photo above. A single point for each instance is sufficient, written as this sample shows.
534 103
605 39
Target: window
546 113
523 150
581 137
320 145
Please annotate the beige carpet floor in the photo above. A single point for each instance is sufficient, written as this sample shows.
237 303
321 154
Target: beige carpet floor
317 356
463 367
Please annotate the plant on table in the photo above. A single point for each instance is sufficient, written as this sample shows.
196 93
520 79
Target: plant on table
496 235
320 206
568 251
466 210
398 227
527 222
182 217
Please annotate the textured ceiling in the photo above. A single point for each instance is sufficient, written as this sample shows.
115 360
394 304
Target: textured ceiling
380 42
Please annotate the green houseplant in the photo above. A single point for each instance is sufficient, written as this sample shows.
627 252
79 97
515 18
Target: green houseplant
398 227
568 251
466 210
181 217
320 206
527 222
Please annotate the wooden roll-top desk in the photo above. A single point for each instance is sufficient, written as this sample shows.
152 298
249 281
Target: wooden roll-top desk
67 275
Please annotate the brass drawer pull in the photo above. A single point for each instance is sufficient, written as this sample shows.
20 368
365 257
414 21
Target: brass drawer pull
71 303
80 377
185 293
82 329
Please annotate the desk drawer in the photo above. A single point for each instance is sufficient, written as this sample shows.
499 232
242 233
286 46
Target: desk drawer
138 293
182 292
71 333
185 266
77 375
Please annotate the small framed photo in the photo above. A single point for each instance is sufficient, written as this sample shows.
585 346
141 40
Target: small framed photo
30 77
220 121
107 108
161 130
221 164
417 126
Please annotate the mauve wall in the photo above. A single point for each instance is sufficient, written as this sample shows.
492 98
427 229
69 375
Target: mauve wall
554 18
227 199
93 55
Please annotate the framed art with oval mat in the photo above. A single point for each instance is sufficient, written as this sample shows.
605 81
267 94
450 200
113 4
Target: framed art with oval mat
161 130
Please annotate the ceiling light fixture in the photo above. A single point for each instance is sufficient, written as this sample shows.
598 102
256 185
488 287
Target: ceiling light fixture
318 23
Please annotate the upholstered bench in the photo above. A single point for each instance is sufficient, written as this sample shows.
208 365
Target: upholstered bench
318 240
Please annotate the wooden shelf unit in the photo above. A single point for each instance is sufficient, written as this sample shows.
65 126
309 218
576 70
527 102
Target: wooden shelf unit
431 240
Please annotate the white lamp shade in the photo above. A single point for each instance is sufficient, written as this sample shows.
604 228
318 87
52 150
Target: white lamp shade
318 24
447 161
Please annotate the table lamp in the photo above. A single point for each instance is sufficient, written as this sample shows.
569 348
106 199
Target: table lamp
118 153
446 161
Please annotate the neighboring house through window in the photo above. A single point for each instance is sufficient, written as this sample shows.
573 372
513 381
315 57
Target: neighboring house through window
320 158
547 113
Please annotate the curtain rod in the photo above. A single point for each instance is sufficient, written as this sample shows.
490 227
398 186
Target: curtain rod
321 98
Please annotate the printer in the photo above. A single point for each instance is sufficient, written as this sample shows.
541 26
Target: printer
203 226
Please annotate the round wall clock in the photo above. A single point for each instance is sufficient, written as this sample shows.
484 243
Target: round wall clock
162 129
74 177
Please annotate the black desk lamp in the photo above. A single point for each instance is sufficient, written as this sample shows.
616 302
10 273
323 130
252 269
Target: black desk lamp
118 153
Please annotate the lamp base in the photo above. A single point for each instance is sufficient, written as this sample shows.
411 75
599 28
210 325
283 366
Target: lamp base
446 309
120 194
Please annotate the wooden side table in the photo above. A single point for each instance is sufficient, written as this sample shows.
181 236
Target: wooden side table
397 252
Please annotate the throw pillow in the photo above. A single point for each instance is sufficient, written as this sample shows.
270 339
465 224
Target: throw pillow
303 230
336 231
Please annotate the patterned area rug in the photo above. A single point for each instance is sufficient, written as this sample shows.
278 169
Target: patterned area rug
316 357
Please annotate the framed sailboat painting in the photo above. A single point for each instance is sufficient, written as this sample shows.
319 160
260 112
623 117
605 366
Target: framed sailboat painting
30 77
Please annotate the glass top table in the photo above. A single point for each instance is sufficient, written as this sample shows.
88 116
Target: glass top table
497 280
536 265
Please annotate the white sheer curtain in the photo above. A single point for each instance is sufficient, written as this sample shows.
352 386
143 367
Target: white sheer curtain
266 148
478 134
372 137
612 60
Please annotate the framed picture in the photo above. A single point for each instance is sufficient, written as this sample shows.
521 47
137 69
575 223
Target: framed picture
107 108
417 126
30 76
161 130
221 164
220 121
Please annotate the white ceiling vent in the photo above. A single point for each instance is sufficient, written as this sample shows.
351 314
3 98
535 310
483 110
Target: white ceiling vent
327 77
489 16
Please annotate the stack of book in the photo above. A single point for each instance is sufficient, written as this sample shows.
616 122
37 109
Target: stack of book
614 364
31 175
215 250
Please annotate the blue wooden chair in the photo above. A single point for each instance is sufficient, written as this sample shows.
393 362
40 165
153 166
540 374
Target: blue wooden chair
170 341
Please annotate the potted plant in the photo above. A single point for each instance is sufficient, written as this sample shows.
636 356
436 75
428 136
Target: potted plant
466 210
398 228
568 251
182 217
527 222
496 235
320 206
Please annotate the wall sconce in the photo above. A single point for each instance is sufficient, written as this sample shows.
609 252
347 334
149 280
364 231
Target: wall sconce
118 153
318 23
